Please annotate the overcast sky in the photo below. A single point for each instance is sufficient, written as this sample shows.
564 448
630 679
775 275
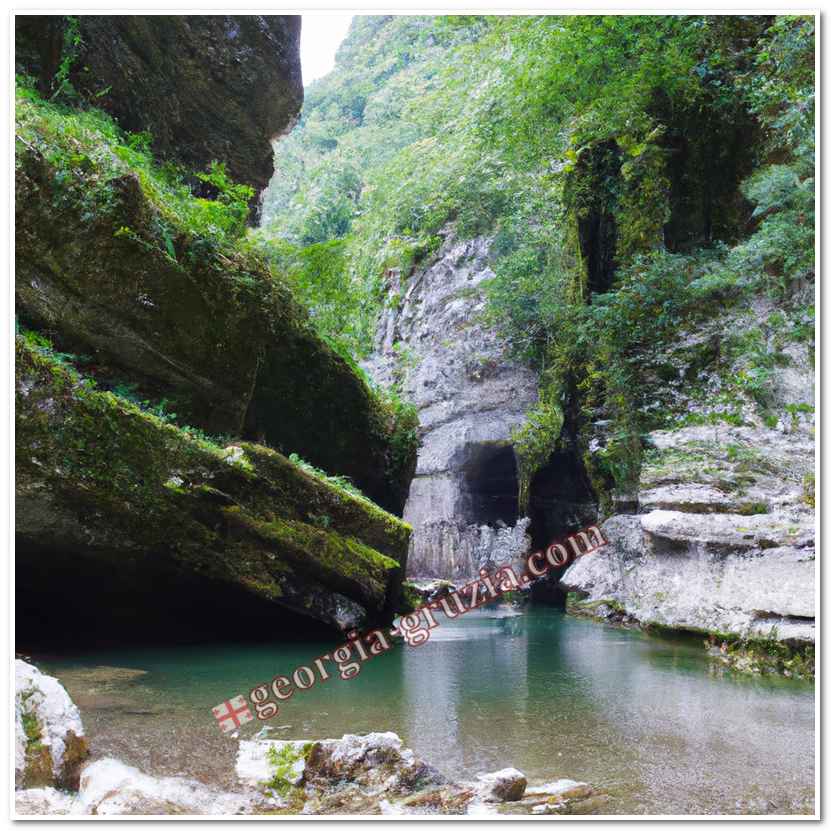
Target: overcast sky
320 36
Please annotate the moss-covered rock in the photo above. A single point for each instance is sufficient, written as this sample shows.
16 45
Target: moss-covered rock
113 272
205 86
105 487
50 746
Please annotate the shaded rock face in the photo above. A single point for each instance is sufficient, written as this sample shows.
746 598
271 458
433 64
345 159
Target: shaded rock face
124 519
49 737
470 396
205 86
219 338
724 542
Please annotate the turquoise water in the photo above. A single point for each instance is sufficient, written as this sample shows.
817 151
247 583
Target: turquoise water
651 723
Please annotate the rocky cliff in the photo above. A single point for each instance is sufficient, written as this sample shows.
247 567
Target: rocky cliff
114 271
166 535
433 343
164 368
722 542
206 87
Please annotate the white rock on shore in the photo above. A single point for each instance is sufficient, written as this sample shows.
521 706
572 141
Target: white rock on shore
49 735
725 543
109 787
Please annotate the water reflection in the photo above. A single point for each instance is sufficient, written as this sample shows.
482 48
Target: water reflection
554 696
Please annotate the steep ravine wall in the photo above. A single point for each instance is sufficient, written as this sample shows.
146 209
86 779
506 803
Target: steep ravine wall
163 368
470 396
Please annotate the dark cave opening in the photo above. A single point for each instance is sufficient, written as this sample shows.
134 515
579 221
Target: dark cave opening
560 501
491 485
72 599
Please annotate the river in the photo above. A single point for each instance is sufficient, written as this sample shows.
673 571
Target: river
650 722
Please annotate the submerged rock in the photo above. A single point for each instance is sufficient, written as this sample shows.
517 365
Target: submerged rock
49 737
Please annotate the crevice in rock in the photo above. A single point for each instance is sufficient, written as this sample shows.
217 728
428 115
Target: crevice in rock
561 501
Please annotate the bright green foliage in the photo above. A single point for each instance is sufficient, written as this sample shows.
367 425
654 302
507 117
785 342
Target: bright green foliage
534 441
89 143
71 48
320 278
535 129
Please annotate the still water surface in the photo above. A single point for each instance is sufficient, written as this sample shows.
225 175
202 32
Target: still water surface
650 722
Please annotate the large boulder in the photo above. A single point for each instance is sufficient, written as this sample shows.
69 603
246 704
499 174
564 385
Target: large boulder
49 736
205 86
126 519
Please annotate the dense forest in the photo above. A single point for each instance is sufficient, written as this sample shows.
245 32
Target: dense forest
636 173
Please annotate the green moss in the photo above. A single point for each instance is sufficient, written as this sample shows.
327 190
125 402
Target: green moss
38 759
750 508
409 600
31 727
760 656
324 553
182 306
808 486
579 606
139 484
282 761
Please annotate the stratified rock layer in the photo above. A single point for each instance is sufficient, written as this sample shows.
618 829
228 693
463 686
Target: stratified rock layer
211 332
726 541
122 515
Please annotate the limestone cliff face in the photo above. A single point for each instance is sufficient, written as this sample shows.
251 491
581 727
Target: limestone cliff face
463 500
723 537
205 86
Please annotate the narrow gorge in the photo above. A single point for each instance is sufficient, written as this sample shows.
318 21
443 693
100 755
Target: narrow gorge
302 366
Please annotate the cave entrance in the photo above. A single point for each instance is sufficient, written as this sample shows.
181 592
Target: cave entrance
71 598
560 501
491 485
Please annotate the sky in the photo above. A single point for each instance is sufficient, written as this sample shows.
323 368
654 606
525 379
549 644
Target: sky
320 36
